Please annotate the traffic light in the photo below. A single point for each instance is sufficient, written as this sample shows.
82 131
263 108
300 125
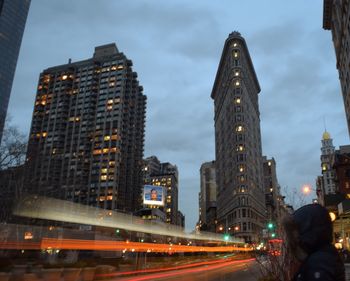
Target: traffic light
226 237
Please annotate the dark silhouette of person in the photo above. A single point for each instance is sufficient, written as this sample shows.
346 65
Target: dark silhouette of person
309 236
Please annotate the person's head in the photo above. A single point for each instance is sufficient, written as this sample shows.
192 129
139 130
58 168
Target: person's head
154 194
308 229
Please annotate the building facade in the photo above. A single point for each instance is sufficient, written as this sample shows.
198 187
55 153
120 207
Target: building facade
13 16
207 197
239 167
341 166
336 17
272 191
166 175
325 184
87 133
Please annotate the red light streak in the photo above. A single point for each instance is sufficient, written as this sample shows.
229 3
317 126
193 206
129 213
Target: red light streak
169 268
187 271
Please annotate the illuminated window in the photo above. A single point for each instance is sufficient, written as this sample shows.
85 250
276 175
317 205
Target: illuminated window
237 83
239 128
107 138
271 189
241 178
97 151
240 147
114 137
235 54
235 44
110 197
111 163
105 150
111 84
120 67
103 177
110 101
269 163
101 199
64 77
237 100
241 168
168 210
113 67
104 171
236 73
44 134
324 167
109 107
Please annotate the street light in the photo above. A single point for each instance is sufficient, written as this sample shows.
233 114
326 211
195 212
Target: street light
307 189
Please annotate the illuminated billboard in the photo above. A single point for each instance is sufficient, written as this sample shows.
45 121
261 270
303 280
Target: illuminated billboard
153 195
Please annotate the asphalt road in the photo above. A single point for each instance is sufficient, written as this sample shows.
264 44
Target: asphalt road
240 271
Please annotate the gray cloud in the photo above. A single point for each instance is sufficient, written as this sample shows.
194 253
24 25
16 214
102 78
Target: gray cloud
176 47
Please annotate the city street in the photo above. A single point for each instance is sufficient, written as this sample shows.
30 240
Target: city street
247 271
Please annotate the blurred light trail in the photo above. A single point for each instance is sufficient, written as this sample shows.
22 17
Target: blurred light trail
189 271
66 211
103 245
158 270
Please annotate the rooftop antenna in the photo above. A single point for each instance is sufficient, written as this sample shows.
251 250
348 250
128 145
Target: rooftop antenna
324 123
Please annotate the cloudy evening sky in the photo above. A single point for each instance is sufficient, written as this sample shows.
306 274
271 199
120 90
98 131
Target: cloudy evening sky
175 47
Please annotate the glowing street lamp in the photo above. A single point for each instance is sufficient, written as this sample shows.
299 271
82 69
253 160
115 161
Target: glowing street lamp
306 189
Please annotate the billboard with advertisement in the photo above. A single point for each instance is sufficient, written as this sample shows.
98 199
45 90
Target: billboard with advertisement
153 195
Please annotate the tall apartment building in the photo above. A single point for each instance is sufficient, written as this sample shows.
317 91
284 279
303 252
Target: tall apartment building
239 168
207 197
166 175
336 17
87 133
272 191
13 16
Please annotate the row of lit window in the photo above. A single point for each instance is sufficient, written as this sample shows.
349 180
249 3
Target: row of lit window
103 198
105 170
107 177
105 150
39 135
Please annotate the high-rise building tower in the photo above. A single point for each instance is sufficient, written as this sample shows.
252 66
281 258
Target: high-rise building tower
207 197
336 17
87 134
239 167
272 191
325 184
13 16
166 175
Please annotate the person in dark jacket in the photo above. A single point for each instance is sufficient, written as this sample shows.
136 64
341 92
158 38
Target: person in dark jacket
309 234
